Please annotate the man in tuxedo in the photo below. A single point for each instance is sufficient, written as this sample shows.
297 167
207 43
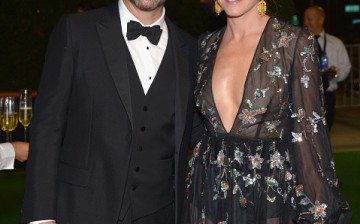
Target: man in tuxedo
112 119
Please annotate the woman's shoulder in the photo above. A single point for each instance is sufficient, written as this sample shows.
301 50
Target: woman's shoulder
210 36
287 31
282 25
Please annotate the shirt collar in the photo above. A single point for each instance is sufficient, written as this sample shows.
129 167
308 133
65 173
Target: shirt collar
126 16
322 34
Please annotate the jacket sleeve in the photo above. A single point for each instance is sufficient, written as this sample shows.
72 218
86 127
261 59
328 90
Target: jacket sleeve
48 124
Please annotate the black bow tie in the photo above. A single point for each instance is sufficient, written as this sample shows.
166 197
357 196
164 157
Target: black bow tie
135 29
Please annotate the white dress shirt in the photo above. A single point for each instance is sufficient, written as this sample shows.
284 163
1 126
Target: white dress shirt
146 56
337 56
7 156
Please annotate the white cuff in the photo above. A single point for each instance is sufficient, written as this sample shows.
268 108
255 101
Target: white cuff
7 156
41 221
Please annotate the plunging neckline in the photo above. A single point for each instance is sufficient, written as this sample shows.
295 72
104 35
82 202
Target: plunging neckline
246 78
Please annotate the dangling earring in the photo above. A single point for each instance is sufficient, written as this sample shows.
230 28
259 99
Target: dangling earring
262 7
217 8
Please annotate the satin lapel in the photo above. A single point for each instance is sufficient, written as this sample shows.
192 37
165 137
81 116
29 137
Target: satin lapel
114 46
182 84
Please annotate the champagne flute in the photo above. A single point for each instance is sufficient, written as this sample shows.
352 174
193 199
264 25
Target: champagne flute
8 116
25 110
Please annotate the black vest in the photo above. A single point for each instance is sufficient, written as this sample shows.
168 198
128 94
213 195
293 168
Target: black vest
151 169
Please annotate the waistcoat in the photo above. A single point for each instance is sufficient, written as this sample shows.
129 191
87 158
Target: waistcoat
150 179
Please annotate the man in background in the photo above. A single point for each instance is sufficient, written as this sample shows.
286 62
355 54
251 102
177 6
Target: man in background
337 56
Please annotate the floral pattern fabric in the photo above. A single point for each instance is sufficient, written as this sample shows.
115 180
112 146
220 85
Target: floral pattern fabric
275 164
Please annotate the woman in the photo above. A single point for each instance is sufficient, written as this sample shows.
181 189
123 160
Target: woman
266 155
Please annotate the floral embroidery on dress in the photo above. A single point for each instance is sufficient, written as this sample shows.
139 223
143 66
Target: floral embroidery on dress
277 73
247 116
283 41
260 93
276 160
256 161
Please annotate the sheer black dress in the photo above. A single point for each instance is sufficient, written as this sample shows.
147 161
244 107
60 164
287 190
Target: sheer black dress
275 164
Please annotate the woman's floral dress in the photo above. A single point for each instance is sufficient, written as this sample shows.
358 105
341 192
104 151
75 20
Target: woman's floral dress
275 164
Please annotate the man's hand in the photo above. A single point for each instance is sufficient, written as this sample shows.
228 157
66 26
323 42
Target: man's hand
21 151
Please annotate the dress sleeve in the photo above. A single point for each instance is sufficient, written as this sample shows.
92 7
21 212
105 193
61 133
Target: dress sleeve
317 195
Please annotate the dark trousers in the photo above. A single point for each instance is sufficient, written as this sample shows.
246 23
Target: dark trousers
164 215
330 100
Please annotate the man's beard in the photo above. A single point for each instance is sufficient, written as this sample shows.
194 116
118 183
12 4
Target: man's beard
147 5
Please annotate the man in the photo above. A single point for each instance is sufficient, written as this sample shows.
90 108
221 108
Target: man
11 151
338 59
112 120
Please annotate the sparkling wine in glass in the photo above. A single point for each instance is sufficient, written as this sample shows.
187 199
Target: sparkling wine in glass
8 116
25 110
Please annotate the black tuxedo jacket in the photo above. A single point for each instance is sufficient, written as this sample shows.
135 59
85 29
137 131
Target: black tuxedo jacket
82 126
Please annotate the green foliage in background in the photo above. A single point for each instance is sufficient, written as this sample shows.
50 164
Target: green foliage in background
26 25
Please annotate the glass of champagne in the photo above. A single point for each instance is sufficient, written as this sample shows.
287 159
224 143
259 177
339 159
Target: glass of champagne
8 116
25 110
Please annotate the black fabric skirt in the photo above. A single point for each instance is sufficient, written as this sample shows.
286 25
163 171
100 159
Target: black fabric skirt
235 180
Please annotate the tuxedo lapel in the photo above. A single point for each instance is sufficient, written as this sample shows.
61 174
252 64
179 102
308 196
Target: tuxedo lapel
182 101
182 83
114 47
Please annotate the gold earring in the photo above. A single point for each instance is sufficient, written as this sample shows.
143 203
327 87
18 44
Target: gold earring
262 7
217 8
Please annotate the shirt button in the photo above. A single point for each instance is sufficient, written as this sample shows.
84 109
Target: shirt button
140 149
142 129
133 188
145 108
137 169
147 48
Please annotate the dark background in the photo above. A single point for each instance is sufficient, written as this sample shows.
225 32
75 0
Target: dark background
25 26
